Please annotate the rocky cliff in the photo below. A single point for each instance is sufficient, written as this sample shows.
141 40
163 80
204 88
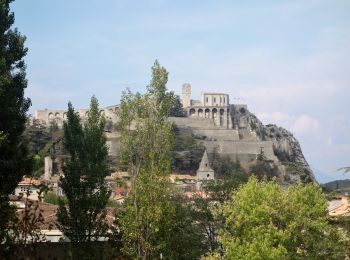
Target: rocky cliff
247 138
285 146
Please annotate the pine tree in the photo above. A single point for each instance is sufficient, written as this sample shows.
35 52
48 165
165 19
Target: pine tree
82 218
14 161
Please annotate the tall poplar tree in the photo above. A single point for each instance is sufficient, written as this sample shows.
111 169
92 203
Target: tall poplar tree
14 161
146 144
82 218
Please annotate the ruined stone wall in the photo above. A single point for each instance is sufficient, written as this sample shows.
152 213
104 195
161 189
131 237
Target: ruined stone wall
58 116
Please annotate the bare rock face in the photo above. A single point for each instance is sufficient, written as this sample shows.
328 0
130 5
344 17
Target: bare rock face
285 146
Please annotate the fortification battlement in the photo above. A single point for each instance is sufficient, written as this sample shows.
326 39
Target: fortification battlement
213 106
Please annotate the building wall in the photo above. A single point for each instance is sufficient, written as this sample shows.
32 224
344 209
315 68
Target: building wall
215 99
219 114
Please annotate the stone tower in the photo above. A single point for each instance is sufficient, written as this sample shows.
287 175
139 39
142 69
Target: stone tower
186 95
48 168
204 172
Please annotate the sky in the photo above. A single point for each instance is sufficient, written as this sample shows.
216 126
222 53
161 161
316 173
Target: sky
289 61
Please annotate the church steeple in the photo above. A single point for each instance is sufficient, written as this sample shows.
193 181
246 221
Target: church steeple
204 165
204 172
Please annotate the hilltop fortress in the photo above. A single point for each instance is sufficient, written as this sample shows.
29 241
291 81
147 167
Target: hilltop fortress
228 128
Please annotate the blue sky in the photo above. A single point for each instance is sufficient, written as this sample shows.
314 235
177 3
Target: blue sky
288 60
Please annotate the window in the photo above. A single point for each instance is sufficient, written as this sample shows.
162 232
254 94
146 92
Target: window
207 99
224 100
214 100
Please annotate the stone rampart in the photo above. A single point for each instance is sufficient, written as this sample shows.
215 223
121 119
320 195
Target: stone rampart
242 150
217 134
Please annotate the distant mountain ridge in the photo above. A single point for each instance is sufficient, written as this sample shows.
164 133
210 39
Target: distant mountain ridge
338 185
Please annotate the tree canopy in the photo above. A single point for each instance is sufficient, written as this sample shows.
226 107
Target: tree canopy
82 217
264 221
14 160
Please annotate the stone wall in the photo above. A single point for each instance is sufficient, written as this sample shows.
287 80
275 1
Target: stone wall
58 116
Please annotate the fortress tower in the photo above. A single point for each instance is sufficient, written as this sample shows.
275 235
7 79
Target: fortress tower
186 95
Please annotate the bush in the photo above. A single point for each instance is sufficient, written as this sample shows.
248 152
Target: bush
53 198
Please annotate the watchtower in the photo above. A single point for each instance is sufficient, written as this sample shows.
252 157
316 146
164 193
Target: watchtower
186 95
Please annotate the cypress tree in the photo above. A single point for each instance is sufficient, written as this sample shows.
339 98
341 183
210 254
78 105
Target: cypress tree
82 218
14 160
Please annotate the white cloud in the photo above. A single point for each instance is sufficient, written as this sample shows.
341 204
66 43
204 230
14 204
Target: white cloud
279 118
303 126
306 125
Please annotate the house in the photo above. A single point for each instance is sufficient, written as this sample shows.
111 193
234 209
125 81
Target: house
28 185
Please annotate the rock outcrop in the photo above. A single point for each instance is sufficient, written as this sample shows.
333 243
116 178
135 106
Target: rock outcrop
247 138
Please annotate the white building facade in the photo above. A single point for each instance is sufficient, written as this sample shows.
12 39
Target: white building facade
215 106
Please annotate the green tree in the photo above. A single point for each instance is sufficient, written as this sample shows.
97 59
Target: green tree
208 209
264 168
146 145
187 153
177 109
264 221
82 217
183 231
14 161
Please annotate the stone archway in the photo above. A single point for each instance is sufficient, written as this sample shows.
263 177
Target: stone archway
207 113
51 116
215 115
192 112
200 112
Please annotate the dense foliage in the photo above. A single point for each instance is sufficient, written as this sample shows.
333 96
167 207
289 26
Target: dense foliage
82 218
146 143
14 160
264 221
177 109
187 152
